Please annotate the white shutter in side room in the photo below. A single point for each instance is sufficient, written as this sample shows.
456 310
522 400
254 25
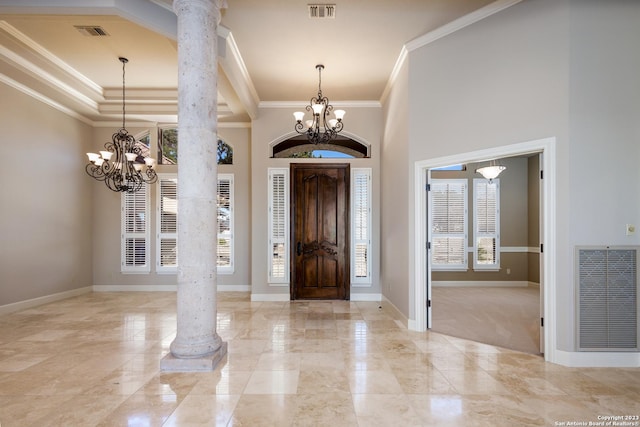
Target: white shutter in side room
167 221
448 210
278 226
486 204
225 223
607 299
361 226
135 231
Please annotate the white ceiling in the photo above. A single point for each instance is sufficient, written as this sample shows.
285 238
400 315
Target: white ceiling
275 41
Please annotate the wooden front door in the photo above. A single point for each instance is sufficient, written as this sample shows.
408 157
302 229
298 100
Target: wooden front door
320 231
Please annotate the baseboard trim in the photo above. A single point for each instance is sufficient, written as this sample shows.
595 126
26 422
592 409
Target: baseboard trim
398 315
134 288
479 284
270 297
366 297
287 297
582 359
162 288
34 302
234 288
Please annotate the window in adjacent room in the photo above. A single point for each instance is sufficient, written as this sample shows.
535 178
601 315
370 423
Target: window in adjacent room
486 214
448 211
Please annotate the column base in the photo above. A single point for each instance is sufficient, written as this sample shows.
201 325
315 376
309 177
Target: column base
208 363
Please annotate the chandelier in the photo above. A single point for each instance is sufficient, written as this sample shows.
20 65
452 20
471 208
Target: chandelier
320 129
122 166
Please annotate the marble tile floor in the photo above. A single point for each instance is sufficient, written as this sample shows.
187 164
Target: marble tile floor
93 360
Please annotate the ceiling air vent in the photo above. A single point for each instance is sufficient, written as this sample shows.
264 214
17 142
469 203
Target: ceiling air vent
91 30
322 11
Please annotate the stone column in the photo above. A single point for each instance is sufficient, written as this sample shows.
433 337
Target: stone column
197 346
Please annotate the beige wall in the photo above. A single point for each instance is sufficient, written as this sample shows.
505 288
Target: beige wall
45 220
533 196
107 204
272 125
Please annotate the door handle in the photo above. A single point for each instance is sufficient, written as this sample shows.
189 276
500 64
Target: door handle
299 248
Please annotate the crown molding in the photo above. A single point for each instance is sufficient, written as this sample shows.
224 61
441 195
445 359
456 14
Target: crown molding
443 31
302 104
48 101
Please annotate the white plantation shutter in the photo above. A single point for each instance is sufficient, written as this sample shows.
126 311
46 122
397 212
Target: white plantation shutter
448 211
167 224
361 226
225 223
486 203
135 231
278 226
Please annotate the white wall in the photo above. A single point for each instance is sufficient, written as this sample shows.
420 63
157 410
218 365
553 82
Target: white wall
542 68
603 170
272 125
45 220
500 81
396 176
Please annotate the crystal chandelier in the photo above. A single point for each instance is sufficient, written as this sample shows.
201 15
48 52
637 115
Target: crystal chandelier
122 166
320 129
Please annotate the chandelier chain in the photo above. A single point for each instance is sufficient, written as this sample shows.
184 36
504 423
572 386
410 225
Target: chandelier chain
122 165
124 61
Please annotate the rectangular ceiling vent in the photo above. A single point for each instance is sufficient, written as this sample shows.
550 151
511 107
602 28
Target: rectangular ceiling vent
91 30
322 11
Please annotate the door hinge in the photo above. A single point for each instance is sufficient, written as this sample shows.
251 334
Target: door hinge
542 322
541 248
428 303
428 187
541 174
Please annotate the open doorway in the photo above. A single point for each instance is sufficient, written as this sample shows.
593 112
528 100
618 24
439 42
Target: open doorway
424 302
485 253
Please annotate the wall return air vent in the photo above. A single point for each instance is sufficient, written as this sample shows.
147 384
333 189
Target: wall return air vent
607 298
91 30
322 11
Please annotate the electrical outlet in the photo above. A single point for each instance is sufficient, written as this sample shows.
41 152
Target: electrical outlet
630 229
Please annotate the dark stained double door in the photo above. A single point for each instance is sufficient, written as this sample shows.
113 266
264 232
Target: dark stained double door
320 231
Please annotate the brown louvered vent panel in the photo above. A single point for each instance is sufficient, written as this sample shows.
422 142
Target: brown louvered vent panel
322 11
607 299
91 30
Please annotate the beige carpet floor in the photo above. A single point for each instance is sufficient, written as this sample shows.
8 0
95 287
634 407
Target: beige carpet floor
501 316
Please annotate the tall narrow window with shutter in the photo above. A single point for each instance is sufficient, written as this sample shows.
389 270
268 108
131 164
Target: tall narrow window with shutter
167 223
278 226
448 211
135 231
225 224
486 214
361 226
